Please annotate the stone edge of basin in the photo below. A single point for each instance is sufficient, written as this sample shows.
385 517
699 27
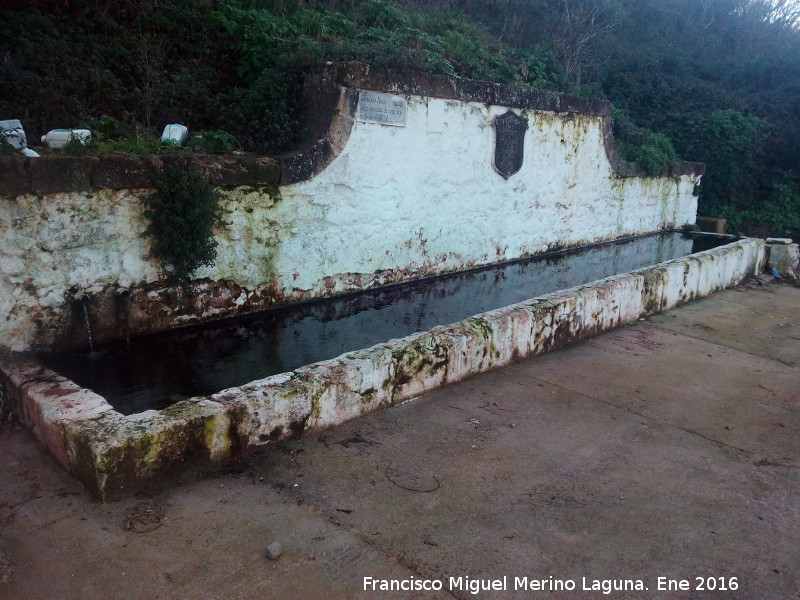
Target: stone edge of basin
332 100
116 455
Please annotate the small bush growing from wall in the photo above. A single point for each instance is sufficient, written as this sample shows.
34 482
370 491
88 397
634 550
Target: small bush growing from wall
182 215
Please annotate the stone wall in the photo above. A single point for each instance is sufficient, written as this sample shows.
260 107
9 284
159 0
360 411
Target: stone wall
361 205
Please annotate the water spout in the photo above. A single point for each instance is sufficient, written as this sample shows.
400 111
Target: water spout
76 297
85 305
124 297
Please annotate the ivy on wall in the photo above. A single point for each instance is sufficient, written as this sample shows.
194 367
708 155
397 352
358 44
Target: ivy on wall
182 215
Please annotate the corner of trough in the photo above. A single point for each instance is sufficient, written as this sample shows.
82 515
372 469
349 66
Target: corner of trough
116 456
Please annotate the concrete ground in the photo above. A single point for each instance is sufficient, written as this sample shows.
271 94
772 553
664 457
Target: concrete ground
667 448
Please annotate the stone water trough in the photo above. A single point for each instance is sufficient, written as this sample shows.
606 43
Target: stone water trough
454 176
115 455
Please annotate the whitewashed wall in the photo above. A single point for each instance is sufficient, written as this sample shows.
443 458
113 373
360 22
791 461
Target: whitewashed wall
396 204
426 197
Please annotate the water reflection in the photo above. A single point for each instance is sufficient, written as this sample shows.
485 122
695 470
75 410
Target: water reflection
157 370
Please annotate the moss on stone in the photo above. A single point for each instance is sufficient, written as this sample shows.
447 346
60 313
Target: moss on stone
484 329
429 353
652 290
316 407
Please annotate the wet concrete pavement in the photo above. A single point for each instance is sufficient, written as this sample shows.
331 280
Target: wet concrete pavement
667 448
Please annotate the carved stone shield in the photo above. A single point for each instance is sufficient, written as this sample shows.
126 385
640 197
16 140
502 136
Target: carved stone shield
509 143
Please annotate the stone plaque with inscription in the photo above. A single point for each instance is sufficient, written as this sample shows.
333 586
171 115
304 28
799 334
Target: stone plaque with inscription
386 109
509 143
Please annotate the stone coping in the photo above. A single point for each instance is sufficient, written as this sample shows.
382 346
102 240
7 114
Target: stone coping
116 455
63 173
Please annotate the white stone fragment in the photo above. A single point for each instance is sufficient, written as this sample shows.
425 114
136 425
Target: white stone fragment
12 131
274 551
175 133
57 138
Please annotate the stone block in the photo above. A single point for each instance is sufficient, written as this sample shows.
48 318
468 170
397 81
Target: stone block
586 106
123 172
676 169
226 169
13 176
712 224
542 100
304 165
51 174
477 91
261 170
443 87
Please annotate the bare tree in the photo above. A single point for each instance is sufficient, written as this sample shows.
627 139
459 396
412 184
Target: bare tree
767 26
706 19
583 24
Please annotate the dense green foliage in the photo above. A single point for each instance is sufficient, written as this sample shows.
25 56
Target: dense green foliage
716 81
651 150
182 215
226 65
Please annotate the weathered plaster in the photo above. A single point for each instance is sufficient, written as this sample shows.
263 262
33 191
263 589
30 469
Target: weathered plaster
400 198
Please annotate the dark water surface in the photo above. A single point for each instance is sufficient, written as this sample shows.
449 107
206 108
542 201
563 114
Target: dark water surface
157 370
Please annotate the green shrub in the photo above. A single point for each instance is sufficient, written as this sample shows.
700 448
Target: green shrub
115 137
730 143
654 154
777 214
231 65
215 142
77 145
267 112
139 141
383 14
182 215
108 129
652 151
